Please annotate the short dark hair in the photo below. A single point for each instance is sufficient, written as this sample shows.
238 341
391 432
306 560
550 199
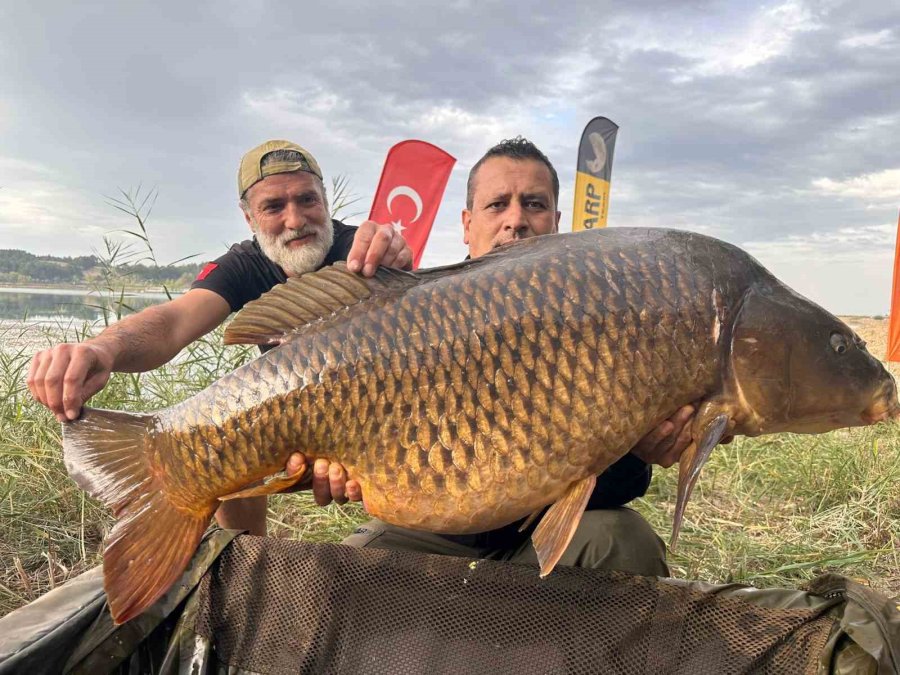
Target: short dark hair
517 148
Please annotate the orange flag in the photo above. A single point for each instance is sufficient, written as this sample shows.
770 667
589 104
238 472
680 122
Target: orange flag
893 350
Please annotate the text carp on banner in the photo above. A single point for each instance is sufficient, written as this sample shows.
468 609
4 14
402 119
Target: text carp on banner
409 192
593 174
893 348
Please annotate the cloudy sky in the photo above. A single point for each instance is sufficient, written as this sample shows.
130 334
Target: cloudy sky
775 126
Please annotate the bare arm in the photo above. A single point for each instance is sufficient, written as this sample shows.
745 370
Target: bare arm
65 376
154 336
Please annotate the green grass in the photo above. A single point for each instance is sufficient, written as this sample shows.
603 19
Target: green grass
775 511
779 510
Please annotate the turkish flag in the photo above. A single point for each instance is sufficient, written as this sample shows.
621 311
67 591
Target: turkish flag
409 192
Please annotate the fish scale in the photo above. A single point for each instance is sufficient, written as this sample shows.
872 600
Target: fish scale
467 397
413 428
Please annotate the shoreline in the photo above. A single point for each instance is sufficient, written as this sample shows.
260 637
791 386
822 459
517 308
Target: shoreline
86 290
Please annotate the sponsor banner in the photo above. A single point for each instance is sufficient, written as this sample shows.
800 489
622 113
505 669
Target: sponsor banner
593 173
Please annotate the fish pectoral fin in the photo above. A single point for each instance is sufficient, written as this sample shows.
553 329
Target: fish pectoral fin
558 525
690 464
278 482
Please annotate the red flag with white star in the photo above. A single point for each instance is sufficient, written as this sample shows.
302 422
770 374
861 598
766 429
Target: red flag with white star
410 190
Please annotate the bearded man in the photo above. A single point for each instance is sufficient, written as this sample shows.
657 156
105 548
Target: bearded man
283 200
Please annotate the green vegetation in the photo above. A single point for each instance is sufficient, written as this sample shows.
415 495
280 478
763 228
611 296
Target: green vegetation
774 511
782 509
21 267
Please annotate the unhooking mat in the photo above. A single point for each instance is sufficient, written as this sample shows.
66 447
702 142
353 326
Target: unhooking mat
256 605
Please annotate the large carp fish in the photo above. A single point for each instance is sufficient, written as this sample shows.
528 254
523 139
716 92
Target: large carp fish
466 397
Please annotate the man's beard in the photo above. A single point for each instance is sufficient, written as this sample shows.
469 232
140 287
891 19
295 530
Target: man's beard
297 261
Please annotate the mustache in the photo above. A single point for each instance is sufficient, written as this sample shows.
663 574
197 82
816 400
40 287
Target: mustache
516 235
288 237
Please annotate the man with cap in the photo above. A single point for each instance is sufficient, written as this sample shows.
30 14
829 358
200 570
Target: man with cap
283 200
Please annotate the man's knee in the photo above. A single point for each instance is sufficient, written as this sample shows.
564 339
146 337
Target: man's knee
365 535
378 534
617 539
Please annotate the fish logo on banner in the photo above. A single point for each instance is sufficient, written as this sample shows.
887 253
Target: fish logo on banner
593 174
410 190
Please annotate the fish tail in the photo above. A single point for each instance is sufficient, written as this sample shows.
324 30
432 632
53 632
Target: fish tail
109 454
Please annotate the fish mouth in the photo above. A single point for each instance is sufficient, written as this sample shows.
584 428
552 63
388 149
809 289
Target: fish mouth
885 405
881 411
873 417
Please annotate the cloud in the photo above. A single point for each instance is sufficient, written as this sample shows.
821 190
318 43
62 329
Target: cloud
33 212
881 38
37 205
847 271
879 186
848 243
774 124
769 34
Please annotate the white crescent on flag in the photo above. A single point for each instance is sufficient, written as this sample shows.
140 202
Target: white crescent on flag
406 191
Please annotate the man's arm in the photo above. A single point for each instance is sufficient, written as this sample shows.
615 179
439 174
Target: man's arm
65 376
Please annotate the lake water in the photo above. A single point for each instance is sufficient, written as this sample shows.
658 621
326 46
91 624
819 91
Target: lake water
53 305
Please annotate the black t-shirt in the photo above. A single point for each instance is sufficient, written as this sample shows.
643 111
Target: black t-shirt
245 273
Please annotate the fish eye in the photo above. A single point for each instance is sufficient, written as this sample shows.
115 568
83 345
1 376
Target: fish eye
838 343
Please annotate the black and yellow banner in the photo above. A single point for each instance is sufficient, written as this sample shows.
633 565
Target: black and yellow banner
593 173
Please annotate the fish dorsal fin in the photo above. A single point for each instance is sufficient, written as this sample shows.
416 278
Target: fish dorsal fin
301 300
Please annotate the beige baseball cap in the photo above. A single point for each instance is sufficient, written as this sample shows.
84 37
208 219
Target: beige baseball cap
251 170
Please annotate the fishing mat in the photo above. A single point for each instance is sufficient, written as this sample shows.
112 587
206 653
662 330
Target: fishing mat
256 605
278 606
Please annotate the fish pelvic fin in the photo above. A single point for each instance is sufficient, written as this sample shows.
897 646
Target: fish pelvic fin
557 527
109 455
530 519
278 482
692 461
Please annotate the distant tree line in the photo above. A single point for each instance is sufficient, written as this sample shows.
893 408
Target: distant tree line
21 267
